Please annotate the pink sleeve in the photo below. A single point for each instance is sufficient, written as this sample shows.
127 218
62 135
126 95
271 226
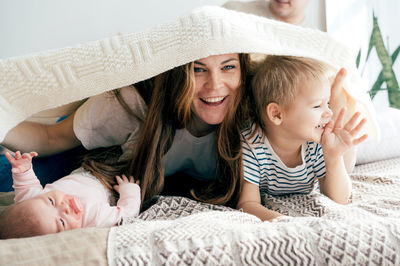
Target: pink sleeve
129 199
104 215
26 186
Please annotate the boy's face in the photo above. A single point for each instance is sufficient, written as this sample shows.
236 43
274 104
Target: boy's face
56 211
305 118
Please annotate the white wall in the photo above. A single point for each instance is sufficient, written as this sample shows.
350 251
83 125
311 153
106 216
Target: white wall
28 26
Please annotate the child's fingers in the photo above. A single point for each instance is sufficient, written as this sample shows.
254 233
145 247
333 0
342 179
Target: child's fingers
358 128
26 156
116 188
137 182
17 155
360 139
328 127
131 179
118 178
339 119
124 178
33 154
352 122
9 157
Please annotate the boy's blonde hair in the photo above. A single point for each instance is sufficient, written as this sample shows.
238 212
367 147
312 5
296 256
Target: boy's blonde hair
278 78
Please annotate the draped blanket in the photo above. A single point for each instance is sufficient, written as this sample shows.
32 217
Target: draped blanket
32 83
179 231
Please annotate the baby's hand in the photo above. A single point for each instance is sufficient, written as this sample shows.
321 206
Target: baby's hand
336 139
20 163
124 180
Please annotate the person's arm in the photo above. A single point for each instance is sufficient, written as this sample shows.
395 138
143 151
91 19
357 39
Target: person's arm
339 99
129 195
104 215
45 139
336 141
26 184
250 202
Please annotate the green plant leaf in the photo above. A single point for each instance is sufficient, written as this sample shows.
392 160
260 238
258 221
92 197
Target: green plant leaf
371 39
358 58
379 81
387 65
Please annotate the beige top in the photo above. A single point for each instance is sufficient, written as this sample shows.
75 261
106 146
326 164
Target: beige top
102 122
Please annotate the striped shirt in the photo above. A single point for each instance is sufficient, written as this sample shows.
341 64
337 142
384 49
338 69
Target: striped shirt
264 168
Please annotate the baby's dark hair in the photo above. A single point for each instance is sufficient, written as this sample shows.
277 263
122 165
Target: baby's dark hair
17 222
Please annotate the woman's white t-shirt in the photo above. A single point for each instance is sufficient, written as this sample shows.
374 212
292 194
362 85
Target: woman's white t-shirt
102 122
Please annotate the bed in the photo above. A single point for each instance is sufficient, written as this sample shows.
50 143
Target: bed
177 230
180 231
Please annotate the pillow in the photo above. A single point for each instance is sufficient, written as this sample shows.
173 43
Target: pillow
389 144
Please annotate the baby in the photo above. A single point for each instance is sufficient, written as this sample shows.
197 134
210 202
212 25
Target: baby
294 142
74 201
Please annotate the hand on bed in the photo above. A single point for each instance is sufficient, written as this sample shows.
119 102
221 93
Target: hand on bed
20 163
124 180
338 139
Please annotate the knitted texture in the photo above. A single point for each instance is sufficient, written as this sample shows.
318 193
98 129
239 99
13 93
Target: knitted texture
179 231
30 84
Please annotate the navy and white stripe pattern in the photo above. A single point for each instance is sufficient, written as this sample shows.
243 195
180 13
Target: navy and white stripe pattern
263 167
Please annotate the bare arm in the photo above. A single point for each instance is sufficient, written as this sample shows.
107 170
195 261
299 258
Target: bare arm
336 141
338 100
336 184
45 139
250 202
26 184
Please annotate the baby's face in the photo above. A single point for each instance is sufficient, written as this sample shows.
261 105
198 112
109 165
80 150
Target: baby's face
57 211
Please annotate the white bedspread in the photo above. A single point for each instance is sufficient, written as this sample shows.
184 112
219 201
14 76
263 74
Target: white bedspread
178 231
32 83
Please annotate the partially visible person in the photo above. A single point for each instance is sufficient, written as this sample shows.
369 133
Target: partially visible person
289 11
74 201
294 145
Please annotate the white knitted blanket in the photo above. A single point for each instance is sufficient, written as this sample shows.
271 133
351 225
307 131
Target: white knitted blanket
29 84
179 231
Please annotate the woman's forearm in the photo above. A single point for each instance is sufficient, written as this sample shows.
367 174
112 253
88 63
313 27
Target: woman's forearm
44 139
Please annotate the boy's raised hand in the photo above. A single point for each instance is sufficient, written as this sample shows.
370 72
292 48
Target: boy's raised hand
20 163
337 139
123 180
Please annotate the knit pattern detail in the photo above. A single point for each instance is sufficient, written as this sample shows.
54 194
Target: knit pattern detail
179 231
37 82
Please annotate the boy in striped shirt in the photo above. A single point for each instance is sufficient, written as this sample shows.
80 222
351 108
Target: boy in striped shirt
293 142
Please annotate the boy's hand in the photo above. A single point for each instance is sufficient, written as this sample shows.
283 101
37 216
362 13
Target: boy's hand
124 180
336 139
20 163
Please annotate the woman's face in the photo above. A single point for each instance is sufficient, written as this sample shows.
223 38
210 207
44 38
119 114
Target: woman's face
217 79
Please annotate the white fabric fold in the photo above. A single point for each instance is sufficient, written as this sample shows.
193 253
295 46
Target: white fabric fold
33 83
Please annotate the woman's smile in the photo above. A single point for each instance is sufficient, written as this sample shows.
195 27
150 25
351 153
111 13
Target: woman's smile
213 101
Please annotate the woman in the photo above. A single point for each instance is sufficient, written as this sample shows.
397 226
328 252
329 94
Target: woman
194 116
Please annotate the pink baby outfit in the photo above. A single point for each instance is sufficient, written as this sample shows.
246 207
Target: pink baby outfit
94 197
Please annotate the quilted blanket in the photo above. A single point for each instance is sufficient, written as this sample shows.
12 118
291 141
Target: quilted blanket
317 231
33 83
